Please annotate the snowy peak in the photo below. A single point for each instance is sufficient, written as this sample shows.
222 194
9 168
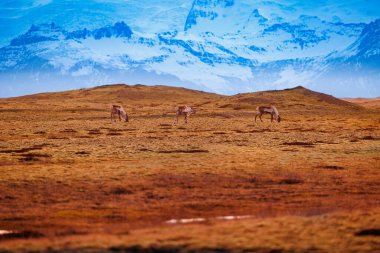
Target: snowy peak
222 17
365 47
44 32
370 40
119 29
255 15
255 22
52 32
205 9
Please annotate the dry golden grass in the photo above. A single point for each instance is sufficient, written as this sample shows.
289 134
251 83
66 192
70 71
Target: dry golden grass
76 180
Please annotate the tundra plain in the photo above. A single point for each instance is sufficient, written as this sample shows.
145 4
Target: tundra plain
72 180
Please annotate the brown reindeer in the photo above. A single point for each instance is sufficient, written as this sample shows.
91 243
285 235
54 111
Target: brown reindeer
120 112
183 110
272 110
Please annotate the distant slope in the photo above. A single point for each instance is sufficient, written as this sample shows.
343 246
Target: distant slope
373 103
127 95
298 97
141 96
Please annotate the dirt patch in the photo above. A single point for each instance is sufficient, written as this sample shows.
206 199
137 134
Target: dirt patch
368 138
82 153
33 157
145 150
114 133
58 138
225 106
299 143
24 150
291 181
260 131
120 191
331 167
40 132
156 249
94 131
302 129
290 150
368 232
68 131
113 129
184 151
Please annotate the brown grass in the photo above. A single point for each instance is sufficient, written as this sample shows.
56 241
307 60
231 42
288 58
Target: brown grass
82 182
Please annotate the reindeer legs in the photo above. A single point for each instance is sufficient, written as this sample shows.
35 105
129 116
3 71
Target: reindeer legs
113 117
187 116
258 114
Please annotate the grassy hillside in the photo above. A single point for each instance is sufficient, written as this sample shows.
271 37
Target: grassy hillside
73 181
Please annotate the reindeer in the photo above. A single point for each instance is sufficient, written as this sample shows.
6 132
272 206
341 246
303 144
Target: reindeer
120 112
272 110
183 110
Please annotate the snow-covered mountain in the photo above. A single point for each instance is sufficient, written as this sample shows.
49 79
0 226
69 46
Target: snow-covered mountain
225 46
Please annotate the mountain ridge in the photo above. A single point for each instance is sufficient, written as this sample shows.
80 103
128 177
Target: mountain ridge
252 51
135 95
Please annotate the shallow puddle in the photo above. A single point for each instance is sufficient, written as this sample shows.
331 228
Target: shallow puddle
196 220
5 232
234 217
183 221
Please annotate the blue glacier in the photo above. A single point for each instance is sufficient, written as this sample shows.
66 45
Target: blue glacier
223 46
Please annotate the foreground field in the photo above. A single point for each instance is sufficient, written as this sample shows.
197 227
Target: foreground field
71 179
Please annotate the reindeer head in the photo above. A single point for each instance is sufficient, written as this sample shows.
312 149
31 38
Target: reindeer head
278 118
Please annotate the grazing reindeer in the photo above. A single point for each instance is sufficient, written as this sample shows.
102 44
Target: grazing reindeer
183 110
120 112
272 110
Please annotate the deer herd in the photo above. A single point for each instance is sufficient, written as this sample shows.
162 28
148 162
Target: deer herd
117 111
